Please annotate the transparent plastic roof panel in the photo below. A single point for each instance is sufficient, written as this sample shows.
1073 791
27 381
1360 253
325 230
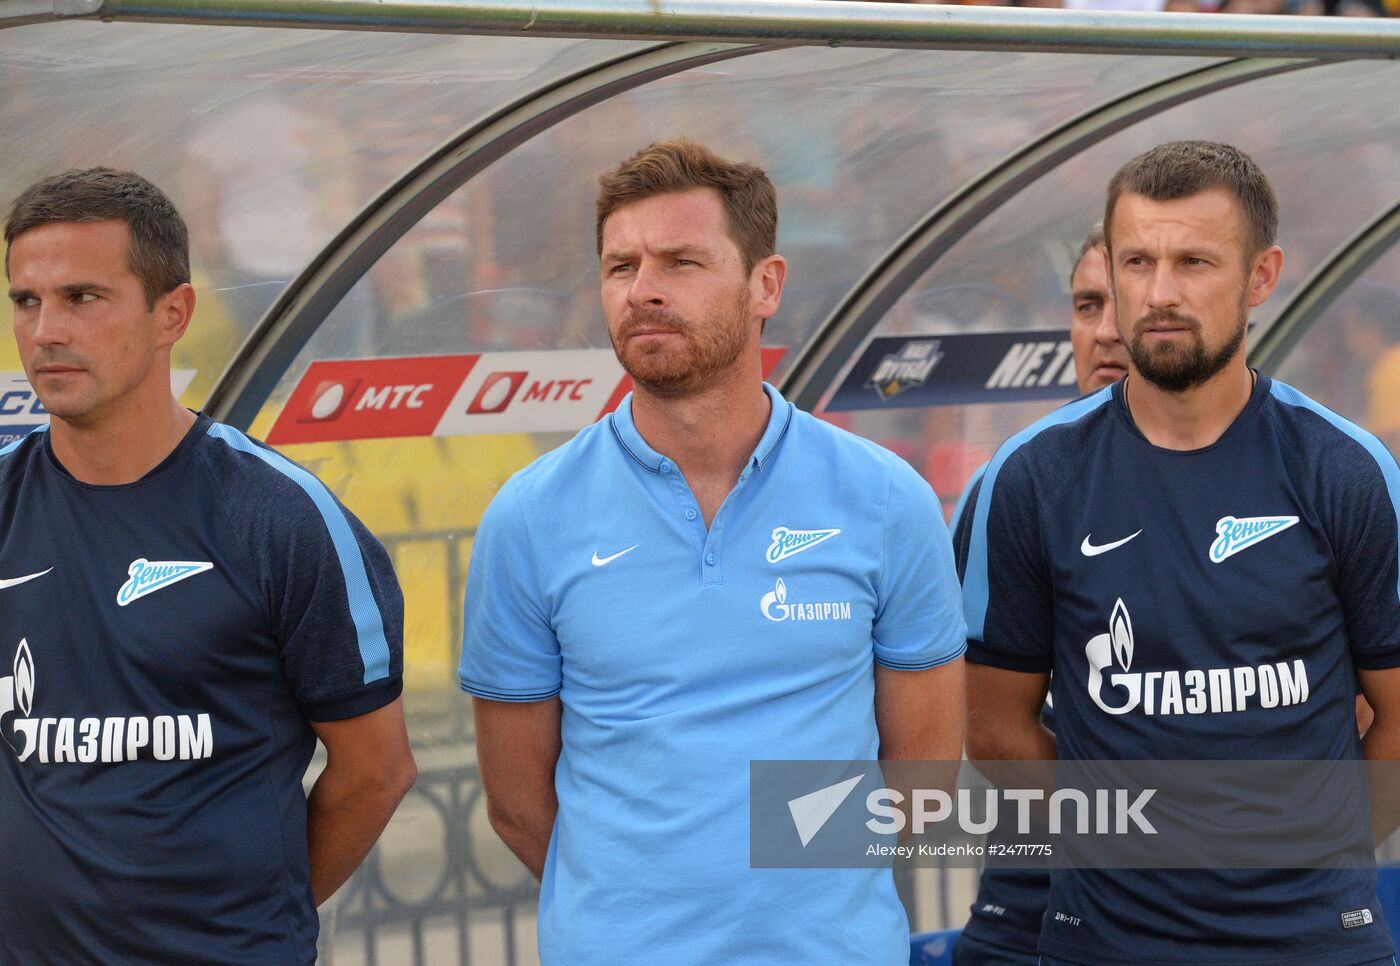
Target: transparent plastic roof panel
1327 136
1349 360
858 142
269 141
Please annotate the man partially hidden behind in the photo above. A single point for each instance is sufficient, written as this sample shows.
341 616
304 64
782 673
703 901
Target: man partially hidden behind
1237 543
705 577
1004 926
183 612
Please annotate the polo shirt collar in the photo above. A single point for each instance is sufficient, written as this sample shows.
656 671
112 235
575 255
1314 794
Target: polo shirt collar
779 418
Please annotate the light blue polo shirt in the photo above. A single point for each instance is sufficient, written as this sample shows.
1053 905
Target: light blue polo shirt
679 654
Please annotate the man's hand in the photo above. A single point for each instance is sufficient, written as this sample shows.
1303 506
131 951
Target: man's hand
369 769
1382 746
517 747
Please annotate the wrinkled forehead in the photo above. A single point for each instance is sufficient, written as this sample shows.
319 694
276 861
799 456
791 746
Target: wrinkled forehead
1211 219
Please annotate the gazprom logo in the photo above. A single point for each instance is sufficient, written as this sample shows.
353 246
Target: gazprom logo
776 608
148 576
1235 534
788 542
17 696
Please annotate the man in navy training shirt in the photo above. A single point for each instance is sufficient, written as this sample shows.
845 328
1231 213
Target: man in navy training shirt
1004 926
1208 561
183 612
705 577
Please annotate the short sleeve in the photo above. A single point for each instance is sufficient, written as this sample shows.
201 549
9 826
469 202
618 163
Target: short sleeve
1366 533
1006 586
334 602
919 622
509 649
341 620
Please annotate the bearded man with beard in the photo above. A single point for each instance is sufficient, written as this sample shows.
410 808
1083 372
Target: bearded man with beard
1220 526
705 577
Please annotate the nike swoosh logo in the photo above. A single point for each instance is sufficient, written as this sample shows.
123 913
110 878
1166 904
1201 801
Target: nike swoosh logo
19 580
1089 550
604 561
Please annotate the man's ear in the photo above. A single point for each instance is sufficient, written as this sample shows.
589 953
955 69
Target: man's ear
766 284
1263 279
174 310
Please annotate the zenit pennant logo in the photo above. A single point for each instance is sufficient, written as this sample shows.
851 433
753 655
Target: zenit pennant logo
788 542
1237 534
149 576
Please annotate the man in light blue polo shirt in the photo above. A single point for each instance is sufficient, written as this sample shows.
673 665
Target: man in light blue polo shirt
705 577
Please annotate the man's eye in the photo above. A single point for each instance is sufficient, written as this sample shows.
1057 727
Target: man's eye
619 269
26 303
84 297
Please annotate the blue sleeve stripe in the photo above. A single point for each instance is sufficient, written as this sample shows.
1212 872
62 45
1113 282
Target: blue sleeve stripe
962 500
10 448
1389 471
369 622
975 589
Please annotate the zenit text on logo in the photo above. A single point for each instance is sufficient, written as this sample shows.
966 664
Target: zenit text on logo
1237 534
148 576
108 740
1194 691
787 542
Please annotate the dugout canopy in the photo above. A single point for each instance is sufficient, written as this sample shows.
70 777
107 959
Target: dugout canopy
390 207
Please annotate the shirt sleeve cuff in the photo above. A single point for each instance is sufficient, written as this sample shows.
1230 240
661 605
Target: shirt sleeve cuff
979 653
895 663
508 694
371 697
1376 662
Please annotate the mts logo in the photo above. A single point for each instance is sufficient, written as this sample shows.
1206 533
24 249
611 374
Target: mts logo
332 397
21 402
1034 364
407 396
500 389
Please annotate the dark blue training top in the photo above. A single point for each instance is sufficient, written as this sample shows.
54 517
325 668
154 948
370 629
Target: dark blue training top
1206 604
1010 901
163 645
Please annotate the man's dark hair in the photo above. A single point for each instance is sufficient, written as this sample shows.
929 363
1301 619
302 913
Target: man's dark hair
750 202
159 251
1180 169
1095 239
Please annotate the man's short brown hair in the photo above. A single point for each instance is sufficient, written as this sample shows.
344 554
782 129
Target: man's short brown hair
750 203
1180 169
158 249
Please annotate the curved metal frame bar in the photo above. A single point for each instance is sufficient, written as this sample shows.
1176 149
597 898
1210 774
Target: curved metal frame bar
1344 266
304 304
904 263
787 22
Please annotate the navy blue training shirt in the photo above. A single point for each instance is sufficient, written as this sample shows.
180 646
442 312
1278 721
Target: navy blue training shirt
163 645
1010 901
1212 604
